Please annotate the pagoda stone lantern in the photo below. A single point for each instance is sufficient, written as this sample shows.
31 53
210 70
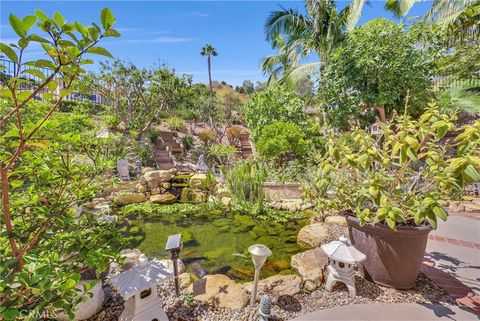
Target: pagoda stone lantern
342 258
138 287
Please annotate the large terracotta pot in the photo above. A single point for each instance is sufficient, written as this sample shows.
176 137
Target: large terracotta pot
393 257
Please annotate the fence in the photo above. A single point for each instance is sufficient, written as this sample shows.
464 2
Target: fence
9 69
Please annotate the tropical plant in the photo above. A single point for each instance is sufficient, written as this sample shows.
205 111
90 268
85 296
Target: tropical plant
44 173
153 135
209 51
355 75
403 178
187 141
233 134
176 123
139 95
460 17
280 140
222 154
245 183
274 103
208 137
296 36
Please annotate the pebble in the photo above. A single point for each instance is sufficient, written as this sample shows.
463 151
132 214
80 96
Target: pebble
285 307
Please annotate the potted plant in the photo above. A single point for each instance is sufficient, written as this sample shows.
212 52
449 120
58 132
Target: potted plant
394 187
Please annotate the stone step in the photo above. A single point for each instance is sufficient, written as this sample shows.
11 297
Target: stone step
162 153
165 166
163 160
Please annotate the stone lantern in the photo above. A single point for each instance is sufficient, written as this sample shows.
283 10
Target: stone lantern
138 287
342 258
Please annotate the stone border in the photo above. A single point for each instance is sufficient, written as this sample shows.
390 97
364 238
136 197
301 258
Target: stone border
462 294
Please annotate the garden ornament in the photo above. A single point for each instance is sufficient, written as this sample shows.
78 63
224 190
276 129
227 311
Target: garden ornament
342 258
202 164
174 245
138 287
259 254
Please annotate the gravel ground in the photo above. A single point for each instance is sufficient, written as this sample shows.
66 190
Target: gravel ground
184 308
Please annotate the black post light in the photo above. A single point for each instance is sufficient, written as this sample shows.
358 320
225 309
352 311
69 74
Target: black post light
174 245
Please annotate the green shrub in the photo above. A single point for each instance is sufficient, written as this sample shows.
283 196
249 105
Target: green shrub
274 104
208 137
233 134
83 107
153 135
145 154
222 154
112 121
187 141
245 182
280 139
176 123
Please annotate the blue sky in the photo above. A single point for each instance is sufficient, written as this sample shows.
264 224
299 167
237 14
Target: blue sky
174 32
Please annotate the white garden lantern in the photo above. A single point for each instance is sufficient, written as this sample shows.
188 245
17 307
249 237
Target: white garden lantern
138 287
342 258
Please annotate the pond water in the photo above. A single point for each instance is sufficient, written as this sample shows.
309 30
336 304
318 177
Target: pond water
219 244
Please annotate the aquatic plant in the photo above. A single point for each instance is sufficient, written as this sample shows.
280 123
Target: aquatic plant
245 182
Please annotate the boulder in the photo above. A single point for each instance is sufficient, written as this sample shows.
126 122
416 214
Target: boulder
197 180
147 169
313 235
185 279
226 201
166 185
310 265
155 191
166 198
156 178
129 198
92 303
141 188
278 285
219 290
336 220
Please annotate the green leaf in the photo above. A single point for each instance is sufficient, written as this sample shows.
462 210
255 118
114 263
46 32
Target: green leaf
440 212
35 73
37 38
17 25
58 19
112 33
412 155
42 63
471 172
41 15
70 283
9 52
10 314
100 51
28 22
52 85
16 183
107 18
432 219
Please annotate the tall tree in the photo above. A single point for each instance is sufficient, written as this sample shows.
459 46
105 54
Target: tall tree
295 36
209 51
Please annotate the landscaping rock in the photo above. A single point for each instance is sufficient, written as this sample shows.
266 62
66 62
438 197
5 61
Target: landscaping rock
223 191
155 178
336 220
129 198
185 279
147 169
310 265
219 291
197 180
166 198
130 258
141 188
278 285
226 201
313 235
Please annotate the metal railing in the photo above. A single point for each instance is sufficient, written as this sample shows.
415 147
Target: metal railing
9 69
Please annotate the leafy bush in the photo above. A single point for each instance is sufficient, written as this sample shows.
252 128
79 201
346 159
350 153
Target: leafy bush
233 134
404 178
208 137
82 107
221 153
170 212
245 182
187 141
112 121
265 213
274 104
176 123
279 139
377 67
145 154
153 135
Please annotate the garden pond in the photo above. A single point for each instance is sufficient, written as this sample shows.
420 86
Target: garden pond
214 241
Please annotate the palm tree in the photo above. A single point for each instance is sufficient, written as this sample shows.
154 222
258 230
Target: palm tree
461 17
209 51
296 36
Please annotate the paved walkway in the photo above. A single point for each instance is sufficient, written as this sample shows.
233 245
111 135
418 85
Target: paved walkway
455 248
390 312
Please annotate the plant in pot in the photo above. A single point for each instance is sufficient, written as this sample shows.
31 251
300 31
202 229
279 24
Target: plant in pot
394 187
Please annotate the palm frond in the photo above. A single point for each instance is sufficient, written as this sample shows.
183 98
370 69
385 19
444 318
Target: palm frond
285 21
351 14
400 7
300 72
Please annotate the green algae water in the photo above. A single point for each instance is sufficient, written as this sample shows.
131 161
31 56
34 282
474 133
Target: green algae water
218 244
